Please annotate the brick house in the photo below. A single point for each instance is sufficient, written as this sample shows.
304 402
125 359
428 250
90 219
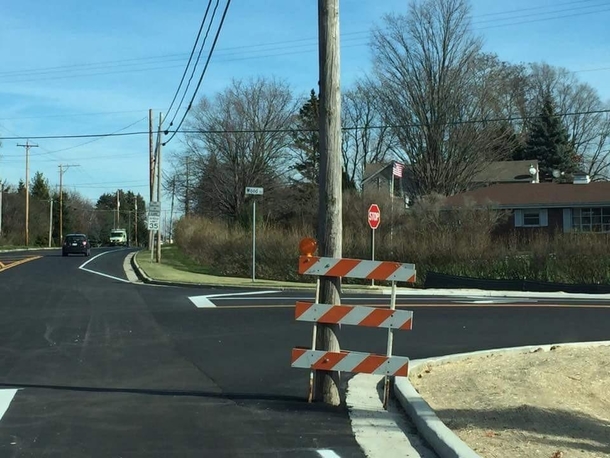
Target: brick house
579 206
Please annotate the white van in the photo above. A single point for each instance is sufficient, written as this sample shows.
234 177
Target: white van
118 237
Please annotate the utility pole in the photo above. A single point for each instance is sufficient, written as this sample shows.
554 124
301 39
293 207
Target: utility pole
330 205
136 221
117 222
158 160
27 147
62 169
186 196
151 174
1 193
50 223
171 211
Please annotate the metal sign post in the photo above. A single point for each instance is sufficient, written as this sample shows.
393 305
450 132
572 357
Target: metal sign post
251 191
374 219
154 217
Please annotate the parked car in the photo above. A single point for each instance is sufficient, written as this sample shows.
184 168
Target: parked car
76 244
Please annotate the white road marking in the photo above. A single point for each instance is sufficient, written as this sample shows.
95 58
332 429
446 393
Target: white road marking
205 302
82 266
6 396
325 453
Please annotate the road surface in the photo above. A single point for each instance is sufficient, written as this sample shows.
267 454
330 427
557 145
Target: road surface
103 367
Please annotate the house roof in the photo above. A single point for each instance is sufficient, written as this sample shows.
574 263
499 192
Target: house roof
506 171
374 169
523 195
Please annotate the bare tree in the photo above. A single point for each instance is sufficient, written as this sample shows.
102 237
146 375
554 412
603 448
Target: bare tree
434 92
241 140
596 160
365 139
571 96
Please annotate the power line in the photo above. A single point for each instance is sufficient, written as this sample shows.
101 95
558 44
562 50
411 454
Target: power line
205 16
205 68
286 45
205 38
289 130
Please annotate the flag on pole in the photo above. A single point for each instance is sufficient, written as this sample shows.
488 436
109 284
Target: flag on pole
397 170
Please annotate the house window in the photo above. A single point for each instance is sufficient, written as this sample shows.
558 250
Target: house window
531 218
591 219
537 217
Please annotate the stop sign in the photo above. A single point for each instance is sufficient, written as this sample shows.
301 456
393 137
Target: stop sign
374 216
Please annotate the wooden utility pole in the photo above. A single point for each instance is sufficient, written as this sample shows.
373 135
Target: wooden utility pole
50 222
158 160
27 147
186 197
330 205
62 169
1 193
136 221
151 173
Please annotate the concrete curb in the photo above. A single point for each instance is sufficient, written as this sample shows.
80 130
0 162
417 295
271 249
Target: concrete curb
146 279
493 293
444 441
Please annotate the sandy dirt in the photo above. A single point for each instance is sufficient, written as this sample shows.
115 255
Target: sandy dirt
550 404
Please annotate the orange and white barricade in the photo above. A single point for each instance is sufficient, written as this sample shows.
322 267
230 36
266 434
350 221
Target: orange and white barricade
391 319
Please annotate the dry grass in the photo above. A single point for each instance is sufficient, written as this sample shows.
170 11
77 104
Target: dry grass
461 243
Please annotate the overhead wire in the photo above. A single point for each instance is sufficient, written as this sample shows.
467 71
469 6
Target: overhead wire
289 130
205 38
34 74
205 68
188 64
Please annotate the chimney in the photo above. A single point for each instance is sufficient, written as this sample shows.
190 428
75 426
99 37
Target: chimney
581 178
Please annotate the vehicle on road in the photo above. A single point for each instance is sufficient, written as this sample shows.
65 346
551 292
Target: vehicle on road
76 244
118 237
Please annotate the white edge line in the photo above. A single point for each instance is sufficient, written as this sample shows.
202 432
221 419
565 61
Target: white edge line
325 453
248 293
6 396
205 302
82 266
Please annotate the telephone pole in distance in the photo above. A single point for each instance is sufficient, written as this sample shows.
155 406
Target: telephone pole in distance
27 147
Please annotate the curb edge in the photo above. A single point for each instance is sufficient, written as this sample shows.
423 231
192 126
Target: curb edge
443 440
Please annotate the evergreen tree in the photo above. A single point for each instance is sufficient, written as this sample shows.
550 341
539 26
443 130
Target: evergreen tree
548 142
306 139
21 186
39 187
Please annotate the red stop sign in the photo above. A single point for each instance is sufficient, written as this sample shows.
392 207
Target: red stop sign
374 216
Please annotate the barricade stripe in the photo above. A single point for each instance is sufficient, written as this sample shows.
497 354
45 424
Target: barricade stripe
384 270
376 317
297 353
301 308
355 317
342 268
407 325
335 314
328 361
306 262
398 365
370 364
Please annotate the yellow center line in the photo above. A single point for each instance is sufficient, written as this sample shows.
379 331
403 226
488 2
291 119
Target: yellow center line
4 267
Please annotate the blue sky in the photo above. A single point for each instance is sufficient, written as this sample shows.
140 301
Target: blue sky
73 67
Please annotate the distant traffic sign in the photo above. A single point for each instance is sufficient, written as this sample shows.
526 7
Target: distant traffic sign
254 191
374 216
154 210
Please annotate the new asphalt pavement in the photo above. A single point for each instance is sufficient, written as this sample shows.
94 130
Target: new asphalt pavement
107 368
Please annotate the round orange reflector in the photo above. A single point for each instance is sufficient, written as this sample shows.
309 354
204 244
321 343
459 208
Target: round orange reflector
308 246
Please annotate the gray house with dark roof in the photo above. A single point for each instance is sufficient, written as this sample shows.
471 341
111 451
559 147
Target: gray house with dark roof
579 206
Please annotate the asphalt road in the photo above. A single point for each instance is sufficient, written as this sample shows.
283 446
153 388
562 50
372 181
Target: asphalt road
111 369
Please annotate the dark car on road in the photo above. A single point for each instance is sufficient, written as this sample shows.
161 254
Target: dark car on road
76 244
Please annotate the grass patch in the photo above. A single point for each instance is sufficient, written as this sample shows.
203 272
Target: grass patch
173 256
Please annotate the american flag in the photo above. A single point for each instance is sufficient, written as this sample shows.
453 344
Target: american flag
397 170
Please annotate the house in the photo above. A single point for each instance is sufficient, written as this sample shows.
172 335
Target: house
579 206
